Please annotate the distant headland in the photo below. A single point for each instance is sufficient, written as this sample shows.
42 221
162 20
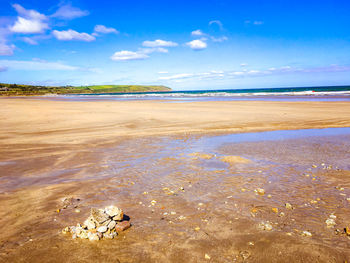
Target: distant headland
30 90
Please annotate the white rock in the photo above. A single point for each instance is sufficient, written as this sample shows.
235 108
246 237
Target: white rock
265 226
83 234
111 224
113 211
102 229
72 229
306 234
110 235
90 224
93 237
289 206
99 215
330 222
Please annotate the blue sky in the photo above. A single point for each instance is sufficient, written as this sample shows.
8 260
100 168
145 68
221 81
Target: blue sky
214 44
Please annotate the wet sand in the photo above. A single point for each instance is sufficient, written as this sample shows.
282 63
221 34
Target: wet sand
91 151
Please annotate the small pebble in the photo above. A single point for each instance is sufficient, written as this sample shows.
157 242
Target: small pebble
288 206
330 222
245 254
259 191
275 210
306 234
265 226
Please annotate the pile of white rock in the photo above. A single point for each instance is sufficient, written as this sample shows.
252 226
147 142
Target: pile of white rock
102 223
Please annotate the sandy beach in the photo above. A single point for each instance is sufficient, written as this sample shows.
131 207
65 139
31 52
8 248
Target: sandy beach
208 206
72 122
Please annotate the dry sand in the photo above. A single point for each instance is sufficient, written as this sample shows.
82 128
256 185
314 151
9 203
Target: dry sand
110 152
47 121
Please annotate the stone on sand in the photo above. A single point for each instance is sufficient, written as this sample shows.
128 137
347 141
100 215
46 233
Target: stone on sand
102 223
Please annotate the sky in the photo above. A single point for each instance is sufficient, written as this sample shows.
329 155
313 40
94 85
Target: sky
185 45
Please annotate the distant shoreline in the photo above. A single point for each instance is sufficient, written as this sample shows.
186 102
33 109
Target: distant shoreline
9 90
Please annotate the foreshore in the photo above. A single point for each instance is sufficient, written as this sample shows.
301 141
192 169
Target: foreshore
189 201
46 121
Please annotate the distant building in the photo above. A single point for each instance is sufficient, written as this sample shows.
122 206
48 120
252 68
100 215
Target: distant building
4 89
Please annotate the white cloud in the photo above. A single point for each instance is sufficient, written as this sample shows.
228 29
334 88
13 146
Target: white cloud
142 53
105 30
5 49
197 33
197 44
218 23
36 65
29 40
72 35
152 50
2 68
159 43
126 55
27 26
177 76
32 14
163 72
218 74
29 21
67 12
156 46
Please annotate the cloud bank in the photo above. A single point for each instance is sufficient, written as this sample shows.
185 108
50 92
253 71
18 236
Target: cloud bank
252 73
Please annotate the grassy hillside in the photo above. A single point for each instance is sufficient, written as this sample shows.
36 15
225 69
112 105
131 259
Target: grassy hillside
15 89
125 88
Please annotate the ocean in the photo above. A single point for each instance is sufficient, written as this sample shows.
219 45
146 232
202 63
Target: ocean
324 93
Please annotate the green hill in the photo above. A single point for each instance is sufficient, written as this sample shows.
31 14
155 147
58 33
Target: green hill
20 90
